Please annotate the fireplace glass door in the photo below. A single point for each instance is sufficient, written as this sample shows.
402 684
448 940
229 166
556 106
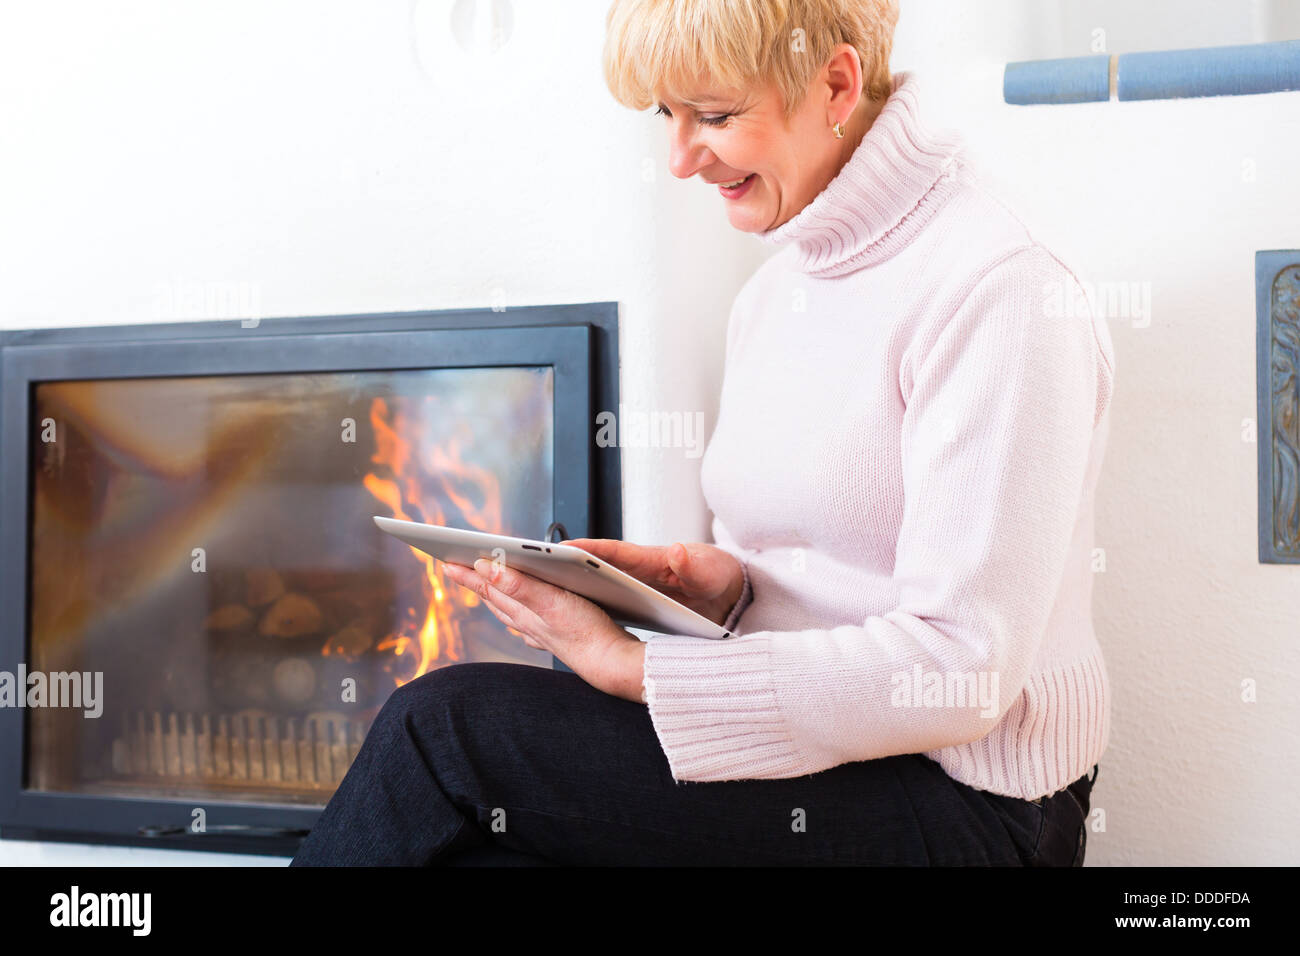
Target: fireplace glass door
206 544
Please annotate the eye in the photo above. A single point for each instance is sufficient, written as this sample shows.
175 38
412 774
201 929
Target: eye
660 111
718 120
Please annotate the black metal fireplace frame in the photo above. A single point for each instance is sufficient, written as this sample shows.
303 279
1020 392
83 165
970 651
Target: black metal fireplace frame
579 341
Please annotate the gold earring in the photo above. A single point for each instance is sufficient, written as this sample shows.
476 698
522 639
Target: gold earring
838 130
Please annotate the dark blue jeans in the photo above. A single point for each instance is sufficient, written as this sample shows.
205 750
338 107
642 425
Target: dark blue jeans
505 763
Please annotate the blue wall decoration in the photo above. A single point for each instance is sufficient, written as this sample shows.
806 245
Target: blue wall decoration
1158 75
1277 362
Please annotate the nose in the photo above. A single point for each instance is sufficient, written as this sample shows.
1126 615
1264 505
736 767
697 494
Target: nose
685 155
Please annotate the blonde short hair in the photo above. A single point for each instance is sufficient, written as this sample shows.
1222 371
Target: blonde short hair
657 46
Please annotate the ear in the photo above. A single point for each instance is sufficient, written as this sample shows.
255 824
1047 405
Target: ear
843 79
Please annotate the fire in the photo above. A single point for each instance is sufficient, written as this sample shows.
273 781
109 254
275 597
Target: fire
413 489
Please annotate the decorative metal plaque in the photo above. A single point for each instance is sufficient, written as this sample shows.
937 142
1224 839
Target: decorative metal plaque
1277 358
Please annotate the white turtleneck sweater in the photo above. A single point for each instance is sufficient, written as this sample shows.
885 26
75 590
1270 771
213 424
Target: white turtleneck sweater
908 443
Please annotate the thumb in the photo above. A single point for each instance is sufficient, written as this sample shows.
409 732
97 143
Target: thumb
682 563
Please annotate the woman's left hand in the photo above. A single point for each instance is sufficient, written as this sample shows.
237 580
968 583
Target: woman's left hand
552 619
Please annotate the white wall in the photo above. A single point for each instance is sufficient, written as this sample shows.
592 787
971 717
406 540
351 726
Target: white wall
343 157
1177 194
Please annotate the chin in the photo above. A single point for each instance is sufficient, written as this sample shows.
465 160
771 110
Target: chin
746 220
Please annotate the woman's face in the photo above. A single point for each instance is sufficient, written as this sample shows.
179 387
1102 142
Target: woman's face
725 137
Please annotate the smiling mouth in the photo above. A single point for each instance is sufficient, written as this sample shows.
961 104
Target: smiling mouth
735 182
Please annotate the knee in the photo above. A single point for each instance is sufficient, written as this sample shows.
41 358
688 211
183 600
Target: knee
449 695
452 680
428 692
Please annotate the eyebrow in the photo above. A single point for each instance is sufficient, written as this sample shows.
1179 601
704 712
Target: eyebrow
696 103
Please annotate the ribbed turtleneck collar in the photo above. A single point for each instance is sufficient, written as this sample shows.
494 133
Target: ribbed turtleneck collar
896 178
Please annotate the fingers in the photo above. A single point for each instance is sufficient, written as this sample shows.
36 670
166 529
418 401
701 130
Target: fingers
641 561
679 560
514 628
472 580
508 590
702 571
608 549
524 598
500 615
693 568
503 606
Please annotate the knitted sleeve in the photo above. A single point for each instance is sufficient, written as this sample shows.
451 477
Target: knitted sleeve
723 539
1001 401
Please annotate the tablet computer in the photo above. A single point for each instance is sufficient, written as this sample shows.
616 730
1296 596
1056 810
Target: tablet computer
629 601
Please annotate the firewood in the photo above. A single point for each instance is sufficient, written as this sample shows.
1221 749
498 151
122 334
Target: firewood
350 641
294 615
229 617
379 594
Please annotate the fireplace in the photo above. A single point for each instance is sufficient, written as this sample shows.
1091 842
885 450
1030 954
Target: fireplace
200 618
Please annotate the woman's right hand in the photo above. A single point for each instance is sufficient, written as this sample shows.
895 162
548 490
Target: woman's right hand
703 577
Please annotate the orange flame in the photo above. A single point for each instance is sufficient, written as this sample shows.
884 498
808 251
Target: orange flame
433 634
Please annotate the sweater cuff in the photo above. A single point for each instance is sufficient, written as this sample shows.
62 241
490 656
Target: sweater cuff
713 705
742 602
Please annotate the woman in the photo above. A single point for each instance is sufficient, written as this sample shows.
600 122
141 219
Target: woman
902 479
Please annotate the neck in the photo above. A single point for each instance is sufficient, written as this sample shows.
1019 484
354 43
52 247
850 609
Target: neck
895 173
863 115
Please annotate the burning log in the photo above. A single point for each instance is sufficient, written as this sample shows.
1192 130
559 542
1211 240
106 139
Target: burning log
362 597
351 641
293 615
229 617
342 608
